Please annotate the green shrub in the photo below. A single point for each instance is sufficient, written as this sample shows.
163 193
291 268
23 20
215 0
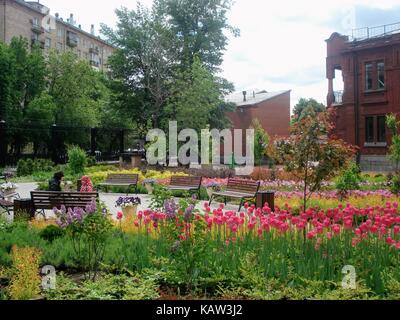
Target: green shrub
349 179
29 167
107 287
77 160
50 233
394 183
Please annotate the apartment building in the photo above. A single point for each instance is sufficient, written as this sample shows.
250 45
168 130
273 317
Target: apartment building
32 20
367 63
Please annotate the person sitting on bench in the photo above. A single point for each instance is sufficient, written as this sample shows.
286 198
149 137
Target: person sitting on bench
55 182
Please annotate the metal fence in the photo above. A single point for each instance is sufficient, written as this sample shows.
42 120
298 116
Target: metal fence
29 141
372 32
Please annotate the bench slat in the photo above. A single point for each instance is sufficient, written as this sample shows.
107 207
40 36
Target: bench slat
49 200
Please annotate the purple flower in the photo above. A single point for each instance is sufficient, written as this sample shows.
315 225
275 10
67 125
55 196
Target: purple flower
170 208
91 208
127 201
189 212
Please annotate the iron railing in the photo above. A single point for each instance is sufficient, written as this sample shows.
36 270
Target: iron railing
374 32
338 97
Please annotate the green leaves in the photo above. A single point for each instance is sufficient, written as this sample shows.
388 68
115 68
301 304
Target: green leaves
311 154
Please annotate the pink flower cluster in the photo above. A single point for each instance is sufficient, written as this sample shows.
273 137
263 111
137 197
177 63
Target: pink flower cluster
333 194
382 222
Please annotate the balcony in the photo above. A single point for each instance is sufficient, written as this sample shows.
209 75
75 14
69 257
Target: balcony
338 97
37 28
95 64
94 50
37 42
72 39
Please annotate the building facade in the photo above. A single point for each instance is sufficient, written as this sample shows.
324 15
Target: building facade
369 64
33 21
271 109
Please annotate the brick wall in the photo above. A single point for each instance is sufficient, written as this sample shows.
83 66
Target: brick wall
351 59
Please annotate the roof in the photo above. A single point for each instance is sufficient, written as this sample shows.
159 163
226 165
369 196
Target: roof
253 97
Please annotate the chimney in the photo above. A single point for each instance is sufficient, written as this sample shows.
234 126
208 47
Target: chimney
244 96
92 29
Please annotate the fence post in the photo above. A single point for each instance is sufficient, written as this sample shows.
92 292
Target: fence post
93 136
3 144
121 141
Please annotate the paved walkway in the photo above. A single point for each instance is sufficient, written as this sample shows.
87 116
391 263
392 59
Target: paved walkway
109 199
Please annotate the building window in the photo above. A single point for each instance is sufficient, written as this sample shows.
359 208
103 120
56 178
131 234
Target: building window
375 129
48 43
381 128
369 129
368 77
35 21
60 33
381 75
59 46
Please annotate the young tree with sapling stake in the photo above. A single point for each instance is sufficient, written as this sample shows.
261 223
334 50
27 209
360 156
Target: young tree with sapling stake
312 154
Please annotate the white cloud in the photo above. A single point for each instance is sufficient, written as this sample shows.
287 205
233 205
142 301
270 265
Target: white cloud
282 44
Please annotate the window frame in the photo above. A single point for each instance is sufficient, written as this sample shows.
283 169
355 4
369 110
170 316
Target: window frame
378 74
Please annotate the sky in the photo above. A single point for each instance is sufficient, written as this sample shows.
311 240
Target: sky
282 44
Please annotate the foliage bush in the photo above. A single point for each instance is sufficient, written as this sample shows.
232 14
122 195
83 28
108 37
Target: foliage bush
108 287
349 179
51 233
29 167
77 160
25 279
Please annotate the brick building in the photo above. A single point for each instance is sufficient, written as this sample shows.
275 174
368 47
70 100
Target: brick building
272 109
368 62
33 21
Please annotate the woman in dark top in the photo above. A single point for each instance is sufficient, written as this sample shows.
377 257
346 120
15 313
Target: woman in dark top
55 182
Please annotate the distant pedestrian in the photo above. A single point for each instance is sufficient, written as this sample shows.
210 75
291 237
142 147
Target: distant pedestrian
55 182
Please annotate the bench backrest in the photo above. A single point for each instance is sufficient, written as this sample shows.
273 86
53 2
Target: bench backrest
245 186
122 178
48 200
194 182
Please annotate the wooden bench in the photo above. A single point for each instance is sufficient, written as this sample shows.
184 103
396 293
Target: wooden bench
121 180
48 200
190 184
8 206
239 189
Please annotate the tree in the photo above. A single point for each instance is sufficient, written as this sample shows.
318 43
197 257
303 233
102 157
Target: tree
305 107
41 115
22 76
394 150
143 66
312 154
199 26
196 99
156 50
261 141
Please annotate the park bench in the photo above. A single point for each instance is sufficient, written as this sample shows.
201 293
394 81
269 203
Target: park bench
121 180
190 184
239 189
48 200
6 205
